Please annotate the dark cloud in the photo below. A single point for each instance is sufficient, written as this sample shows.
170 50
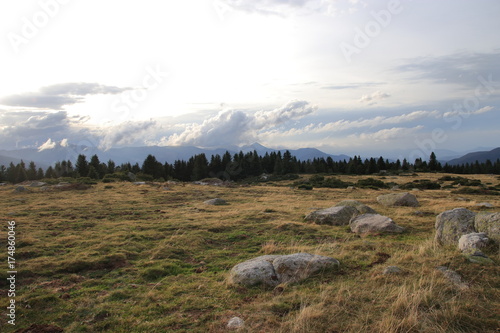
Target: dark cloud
30 128
56 96
460 69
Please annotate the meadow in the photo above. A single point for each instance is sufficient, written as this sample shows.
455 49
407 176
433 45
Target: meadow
120 257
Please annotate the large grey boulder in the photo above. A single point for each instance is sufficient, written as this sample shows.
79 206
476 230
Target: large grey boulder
374 223
452 224
256 271
398 199
271 270
361 207
299 266
340 215
489 223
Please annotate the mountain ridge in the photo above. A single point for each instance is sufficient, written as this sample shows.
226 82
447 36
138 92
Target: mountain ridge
134 155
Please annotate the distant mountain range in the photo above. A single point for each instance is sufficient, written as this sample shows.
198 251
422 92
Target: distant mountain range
480 156
47 157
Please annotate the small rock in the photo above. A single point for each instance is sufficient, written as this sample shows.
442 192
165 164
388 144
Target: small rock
452 224
473 242
21 189
462 199
139 183
479 258
453 277
392 270
216 202
235 323
338 215
361 207
398 199
484 205
374 223
37 184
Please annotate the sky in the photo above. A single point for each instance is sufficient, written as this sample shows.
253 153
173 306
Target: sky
344 76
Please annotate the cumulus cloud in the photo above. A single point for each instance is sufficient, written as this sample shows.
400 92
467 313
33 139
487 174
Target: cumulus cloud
374 97
57 95
238 127
126 133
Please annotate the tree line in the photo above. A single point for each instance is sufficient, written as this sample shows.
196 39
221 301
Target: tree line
233 167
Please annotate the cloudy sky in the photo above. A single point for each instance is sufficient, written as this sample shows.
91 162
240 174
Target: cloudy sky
344 76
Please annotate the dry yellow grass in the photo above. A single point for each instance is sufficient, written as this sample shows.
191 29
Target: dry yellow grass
130 258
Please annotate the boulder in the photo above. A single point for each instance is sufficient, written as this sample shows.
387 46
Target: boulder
271 270
338 215
489 223
235 323
374 223
361 207
21 189
299 266
452 224
37 184
257 271
216 202
473 242
398 199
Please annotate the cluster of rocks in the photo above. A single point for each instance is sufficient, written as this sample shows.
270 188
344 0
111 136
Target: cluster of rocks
361 218
469 231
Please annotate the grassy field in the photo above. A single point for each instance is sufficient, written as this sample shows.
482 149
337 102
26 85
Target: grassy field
121 257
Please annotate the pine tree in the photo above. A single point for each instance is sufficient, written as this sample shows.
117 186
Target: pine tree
31 173
82 166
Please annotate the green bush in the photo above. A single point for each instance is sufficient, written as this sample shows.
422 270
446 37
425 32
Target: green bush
305 187
371 183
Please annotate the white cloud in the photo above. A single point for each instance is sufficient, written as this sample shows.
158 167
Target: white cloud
387 134
126 133
238 127
49 144
294 7
374 97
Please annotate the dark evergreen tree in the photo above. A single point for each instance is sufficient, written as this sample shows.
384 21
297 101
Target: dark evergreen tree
82 166
31 173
